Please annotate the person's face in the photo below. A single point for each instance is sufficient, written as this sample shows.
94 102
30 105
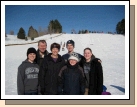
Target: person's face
42 47
70 47
31 56
55 51
87 54
72 62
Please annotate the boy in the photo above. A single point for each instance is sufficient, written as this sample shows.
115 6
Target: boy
71 78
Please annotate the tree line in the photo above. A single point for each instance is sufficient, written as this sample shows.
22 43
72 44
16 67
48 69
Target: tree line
120 29
55 27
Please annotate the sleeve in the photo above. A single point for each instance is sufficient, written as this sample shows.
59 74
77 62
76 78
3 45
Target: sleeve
63 63
41 76
20 81
80 62
60 82
82 82
97 60
99 79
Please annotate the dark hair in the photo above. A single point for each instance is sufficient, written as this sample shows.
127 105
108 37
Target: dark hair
42 41
55 45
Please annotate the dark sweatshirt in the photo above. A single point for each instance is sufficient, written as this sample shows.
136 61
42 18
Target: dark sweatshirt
86 68
27 77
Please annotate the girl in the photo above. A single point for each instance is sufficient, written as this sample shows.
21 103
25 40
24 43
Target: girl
93 73
27 77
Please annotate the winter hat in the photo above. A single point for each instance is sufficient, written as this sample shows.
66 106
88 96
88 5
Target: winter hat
70 42
55 45
31 50
74 56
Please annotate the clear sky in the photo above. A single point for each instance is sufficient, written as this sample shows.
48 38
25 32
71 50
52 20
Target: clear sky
78 17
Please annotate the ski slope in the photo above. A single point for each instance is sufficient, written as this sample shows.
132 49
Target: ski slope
109 48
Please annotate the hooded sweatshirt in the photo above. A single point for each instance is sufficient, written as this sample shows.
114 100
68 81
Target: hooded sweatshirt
27 77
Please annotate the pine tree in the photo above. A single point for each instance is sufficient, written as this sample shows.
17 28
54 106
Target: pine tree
54 27
120 27
32 32
21 33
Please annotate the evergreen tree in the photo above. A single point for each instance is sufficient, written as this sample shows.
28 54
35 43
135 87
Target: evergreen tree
83 31
54 27
32 32
120 27
79 32
21 33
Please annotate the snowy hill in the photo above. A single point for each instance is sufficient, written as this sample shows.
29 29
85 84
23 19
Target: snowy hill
12 39
109 48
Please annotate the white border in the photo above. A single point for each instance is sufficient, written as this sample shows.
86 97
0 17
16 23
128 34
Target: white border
126 3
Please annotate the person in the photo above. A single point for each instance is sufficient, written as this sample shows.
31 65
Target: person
27 76
93 73
41 51
71 79
70 44
49 71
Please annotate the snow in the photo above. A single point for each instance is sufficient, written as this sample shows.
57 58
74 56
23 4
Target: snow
109 48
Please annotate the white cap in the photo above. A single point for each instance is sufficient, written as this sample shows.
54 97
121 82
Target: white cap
74 56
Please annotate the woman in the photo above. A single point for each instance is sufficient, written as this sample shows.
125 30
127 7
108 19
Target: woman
93 73
49 71
71 78
27 78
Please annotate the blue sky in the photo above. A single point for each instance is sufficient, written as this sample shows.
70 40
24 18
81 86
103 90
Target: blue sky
78 17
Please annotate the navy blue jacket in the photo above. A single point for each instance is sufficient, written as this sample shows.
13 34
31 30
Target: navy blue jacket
71 80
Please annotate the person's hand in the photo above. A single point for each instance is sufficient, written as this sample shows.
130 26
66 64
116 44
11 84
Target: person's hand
100 61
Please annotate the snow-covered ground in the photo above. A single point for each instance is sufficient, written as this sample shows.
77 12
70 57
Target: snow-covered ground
109 48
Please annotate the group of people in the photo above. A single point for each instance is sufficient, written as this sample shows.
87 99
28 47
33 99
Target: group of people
49 73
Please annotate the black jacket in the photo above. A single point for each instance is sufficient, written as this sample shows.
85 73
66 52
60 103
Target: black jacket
49 73
27 77
95 80
71 80
40 58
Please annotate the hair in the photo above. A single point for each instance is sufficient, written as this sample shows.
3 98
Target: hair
93 56
88 49
55 45
42 41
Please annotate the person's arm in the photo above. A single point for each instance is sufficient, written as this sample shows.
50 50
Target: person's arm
99 79
41 77
20 81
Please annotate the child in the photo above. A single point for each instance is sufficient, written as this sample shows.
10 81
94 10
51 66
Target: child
27 78
71 79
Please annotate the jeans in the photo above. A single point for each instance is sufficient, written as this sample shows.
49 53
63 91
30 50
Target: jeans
31 93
